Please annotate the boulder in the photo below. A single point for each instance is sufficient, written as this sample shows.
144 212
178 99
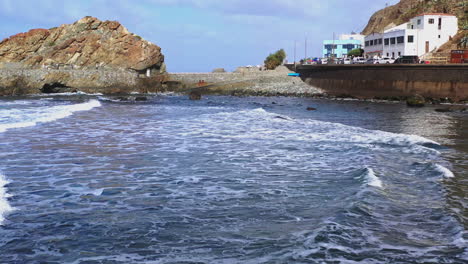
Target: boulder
195 95
311 108
415 101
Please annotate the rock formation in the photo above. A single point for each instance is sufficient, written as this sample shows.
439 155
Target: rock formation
88 42
89 55
407 9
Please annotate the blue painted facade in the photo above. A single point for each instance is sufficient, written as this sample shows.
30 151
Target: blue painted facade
342 47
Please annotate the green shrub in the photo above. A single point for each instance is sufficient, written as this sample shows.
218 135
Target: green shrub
356 53
274 60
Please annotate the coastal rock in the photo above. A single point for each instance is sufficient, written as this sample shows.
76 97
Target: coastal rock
415 101
195 95
311 109
89 42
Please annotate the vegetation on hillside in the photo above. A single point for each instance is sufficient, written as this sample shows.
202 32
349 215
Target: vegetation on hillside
274 60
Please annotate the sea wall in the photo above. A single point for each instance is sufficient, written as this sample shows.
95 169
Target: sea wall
107 81
389 81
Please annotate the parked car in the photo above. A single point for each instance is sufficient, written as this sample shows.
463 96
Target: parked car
407 60
359 60
386 60
347 61
371 61
324 60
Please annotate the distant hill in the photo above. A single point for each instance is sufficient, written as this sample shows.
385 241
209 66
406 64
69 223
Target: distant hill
407 9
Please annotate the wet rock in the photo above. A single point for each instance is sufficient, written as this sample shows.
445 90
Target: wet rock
415 101
195 95
141 98
444 110
311 108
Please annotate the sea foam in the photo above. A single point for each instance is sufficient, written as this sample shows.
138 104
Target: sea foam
4 205
372 179
32 117
444 171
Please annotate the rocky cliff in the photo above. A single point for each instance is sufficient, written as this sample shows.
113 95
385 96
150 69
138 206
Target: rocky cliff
88 42
407 9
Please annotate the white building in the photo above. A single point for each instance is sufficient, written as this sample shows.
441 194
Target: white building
352 36
373 45
421 35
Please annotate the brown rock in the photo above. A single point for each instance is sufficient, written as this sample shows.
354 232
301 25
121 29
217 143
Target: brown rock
86 43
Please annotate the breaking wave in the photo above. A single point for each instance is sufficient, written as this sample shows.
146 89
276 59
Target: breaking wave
27 117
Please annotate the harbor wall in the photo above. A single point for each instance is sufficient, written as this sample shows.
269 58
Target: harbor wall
388 81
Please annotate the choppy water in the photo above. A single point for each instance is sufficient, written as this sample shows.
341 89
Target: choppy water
230 180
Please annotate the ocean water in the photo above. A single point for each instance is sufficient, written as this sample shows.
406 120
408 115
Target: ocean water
87 179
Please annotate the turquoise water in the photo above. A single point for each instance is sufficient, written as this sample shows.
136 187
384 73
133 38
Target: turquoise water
86 179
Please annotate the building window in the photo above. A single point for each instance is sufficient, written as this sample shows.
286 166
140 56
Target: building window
393 54
400 40
330 47
388 54
372 43
439 36
399 54
387 42
367 44
431 21
410 39
419 21
392 41
380 41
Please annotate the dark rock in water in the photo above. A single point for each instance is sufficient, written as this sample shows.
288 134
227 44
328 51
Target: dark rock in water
311 108
280 117
141 98
416 101
450 110
121 98
194 95
444 110
273 102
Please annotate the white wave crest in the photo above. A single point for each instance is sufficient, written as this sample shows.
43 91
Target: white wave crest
372 179
4 205
28 118
444 171
256 120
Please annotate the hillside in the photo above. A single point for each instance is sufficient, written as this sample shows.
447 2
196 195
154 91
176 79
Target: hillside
407 9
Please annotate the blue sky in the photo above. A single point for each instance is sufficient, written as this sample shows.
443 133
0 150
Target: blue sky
200 35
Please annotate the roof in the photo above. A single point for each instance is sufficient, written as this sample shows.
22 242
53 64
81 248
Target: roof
434 14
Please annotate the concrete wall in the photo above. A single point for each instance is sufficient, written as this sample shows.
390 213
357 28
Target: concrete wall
381 81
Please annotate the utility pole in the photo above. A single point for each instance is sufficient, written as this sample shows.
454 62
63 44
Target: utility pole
294 54
305 49
333 48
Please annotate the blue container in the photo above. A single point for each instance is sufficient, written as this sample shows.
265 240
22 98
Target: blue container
293 74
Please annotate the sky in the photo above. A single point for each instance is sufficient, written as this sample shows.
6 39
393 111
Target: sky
200 35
